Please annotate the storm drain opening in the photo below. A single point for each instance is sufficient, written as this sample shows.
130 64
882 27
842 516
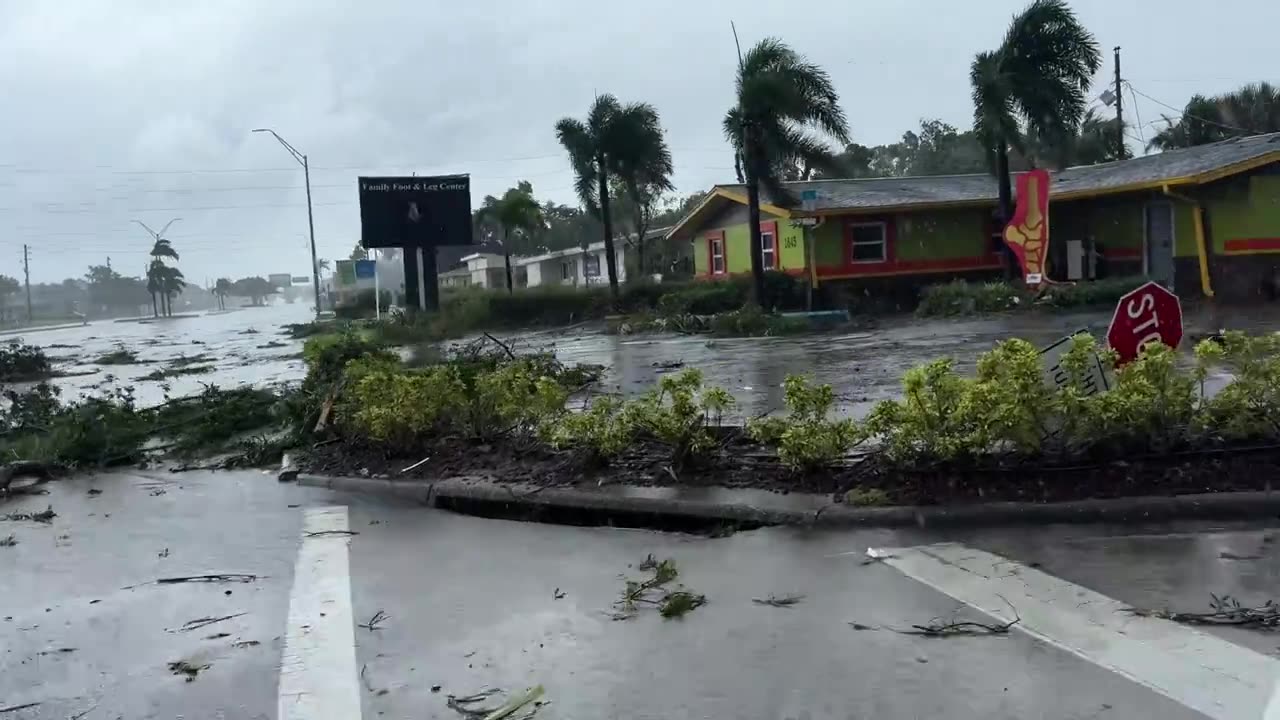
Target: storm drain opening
593 517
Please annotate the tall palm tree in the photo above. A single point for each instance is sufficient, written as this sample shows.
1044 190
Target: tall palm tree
785 107
517 214
221 289
1200 124
615 140
1040 75
1094 143
1251 110
155 283
172 283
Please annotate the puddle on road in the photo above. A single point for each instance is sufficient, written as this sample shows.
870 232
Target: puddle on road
864 366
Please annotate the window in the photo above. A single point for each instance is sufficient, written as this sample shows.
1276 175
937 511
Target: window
717 255
767 251
592 265
867 242
567 270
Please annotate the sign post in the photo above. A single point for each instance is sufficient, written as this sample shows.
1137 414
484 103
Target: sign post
1148 314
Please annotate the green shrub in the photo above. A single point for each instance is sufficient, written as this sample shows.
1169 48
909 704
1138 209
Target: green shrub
327 355
679 412
119 356
807 438
603 429
20 363
363 305
1249 406
1090 293
959 297
400 408
751 321
705 298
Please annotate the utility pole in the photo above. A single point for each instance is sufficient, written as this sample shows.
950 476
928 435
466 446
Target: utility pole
108 262
26 271
1120 153
311 226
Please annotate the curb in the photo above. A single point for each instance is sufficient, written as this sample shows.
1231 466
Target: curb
810 509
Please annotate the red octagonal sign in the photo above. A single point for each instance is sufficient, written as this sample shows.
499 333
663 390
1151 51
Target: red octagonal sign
1149 314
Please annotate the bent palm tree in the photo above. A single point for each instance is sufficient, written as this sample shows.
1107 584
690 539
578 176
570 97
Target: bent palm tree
1200 124
1254 109
221 290
517 213
785 106
615 140
1039 75
172 283
155 284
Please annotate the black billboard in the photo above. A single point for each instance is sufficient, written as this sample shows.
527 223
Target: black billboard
415 211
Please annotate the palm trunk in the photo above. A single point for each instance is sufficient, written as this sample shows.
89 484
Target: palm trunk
155 312
610 259
506 258
753 222
1005 207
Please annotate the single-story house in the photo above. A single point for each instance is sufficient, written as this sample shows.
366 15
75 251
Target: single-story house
1204 220
573 266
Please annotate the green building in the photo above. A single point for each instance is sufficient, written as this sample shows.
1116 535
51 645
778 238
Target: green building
1202 220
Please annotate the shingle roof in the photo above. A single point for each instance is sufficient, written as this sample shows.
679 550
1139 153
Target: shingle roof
1171 165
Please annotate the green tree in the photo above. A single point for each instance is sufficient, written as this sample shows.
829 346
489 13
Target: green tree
517 214
171 283
8 286
785 105
359 253
1251 110
1039 75
255 288
160 279
155 284
221 289
616 140
1095 142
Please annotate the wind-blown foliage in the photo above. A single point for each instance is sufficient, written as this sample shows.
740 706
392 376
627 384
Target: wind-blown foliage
616 141
786 110
1040 75
517 215
1253 109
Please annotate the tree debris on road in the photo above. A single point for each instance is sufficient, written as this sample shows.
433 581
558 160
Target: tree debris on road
188 669
44 516
784 601
16 708
1224 610
652 591
373 621
939 628
9 541
198 623
215 577
467 706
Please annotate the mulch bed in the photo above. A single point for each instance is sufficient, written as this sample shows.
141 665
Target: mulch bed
742 463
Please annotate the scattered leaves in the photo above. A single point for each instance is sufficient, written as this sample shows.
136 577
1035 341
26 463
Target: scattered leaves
187 669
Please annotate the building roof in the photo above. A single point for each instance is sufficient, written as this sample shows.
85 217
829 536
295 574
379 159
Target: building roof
618 243
1185 166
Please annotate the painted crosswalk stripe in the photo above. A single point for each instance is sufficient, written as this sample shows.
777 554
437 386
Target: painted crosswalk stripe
318 667
1215 677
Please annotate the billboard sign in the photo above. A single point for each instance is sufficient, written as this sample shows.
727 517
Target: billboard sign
301 280
415 212
344 272
366 269
280 280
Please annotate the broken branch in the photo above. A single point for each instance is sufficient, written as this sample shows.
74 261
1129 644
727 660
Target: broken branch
202 622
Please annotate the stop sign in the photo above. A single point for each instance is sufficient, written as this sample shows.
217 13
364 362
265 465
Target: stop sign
1149 314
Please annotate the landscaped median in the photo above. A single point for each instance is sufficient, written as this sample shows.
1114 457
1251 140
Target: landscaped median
524 430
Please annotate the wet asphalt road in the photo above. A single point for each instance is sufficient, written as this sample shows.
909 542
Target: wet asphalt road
471 604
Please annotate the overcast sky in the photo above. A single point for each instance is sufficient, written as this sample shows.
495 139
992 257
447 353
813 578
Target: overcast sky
135 109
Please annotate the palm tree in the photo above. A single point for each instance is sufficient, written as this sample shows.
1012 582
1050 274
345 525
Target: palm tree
155 283
1094 143
517 213
1252 110
1039 75
785 105
221 289
615 140
172 283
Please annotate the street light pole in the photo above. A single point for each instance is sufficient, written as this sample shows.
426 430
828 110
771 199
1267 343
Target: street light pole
311 226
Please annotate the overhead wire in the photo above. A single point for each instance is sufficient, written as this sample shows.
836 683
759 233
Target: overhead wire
1183 114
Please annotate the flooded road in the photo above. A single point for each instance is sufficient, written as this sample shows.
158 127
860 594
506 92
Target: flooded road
245 346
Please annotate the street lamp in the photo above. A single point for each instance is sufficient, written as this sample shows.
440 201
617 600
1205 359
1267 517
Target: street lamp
311 226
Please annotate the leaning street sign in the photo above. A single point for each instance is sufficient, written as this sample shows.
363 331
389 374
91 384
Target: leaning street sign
1148 314
1095 376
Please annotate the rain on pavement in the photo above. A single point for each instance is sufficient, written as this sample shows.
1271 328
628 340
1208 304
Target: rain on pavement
472 603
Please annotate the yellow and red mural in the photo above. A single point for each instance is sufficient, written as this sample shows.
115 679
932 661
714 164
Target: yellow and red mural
1027 233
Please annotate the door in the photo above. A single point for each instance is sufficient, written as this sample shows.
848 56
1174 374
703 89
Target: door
1158 243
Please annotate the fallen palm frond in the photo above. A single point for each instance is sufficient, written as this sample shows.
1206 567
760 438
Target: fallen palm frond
784 601
653 591
1224 610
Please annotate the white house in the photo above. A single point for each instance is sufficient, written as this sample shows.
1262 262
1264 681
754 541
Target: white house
572 266
483 270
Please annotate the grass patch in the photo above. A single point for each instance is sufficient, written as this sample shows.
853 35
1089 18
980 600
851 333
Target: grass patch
958 298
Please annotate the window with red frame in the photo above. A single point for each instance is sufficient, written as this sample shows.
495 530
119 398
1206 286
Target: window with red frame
717 255
868 242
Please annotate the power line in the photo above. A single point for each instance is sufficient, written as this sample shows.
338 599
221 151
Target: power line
1137 115
1183 114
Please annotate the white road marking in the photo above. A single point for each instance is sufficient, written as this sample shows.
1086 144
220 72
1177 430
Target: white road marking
1212 676
318 668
